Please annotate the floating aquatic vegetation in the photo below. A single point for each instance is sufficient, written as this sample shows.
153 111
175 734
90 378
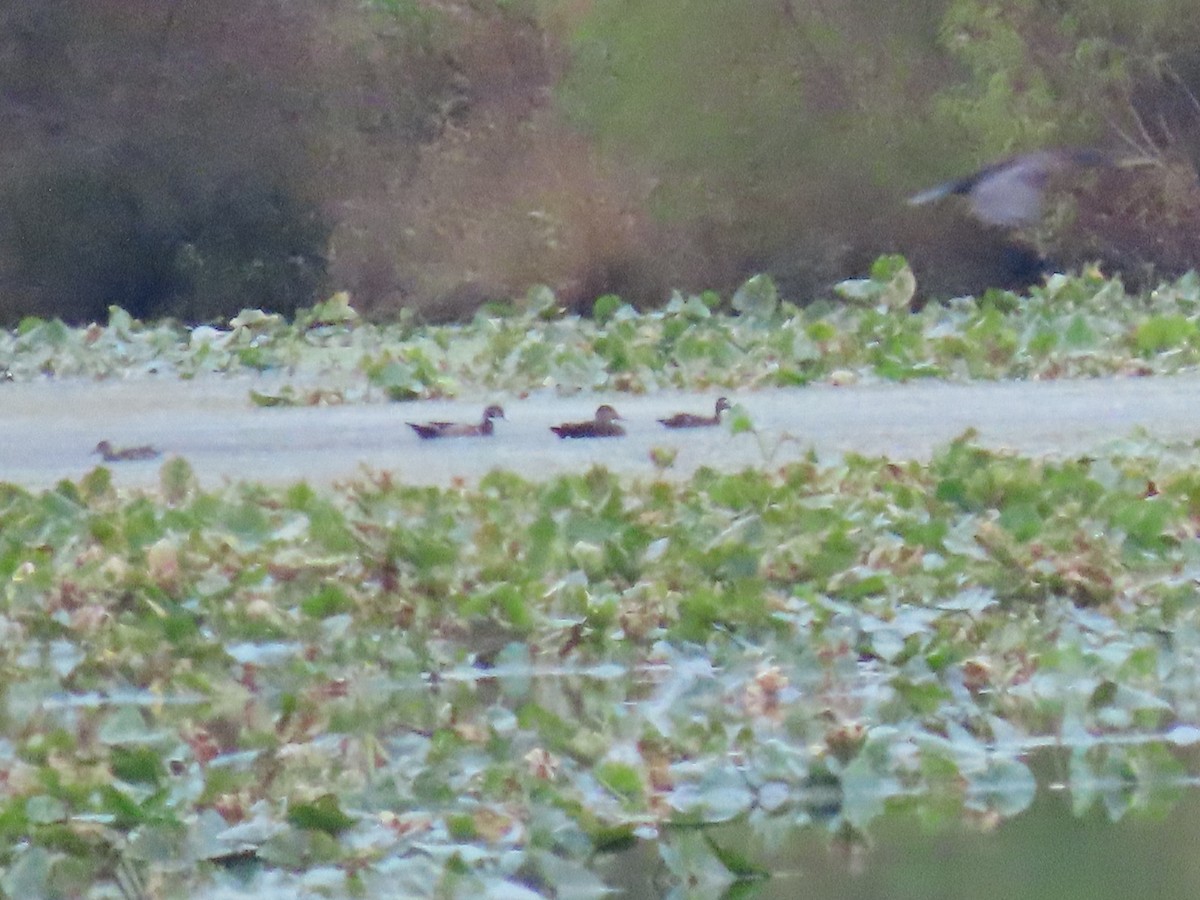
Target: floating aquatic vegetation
484 687
1077 326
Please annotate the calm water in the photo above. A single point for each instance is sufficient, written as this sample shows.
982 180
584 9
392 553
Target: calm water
1046 853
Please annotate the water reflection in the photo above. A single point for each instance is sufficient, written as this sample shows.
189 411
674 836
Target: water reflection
1045 853
1074 814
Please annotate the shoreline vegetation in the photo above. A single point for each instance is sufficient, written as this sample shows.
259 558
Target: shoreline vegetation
1084 325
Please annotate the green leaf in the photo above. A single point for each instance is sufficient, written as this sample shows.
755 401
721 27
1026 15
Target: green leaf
757 298
605 307
286 396
737 863
1163 332
323 814
329 600
177 480
621 779
137 764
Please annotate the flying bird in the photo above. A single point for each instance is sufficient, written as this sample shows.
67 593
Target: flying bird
603 425
429 430
1009 192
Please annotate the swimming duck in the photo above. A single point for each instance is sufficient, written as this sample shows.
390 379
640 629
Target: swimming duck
691 420
109 453
430 430
603 425
1009 192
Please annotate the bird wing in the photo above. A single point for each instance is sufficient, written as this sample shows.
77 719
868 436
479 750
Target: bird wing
936 193
1009 198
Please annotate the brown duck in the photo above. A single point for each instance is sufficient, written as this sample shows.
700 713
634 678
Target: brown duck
109 453
603 425
429 430
691 420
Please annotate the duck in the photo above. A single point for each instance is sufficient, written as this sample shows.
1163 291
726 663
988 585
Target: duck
429 430
1009 192
603 425
692 420
109 453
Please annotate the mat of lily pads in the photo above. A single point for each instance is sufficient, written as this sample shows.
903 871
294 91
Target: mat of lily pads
1080 326
382 690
